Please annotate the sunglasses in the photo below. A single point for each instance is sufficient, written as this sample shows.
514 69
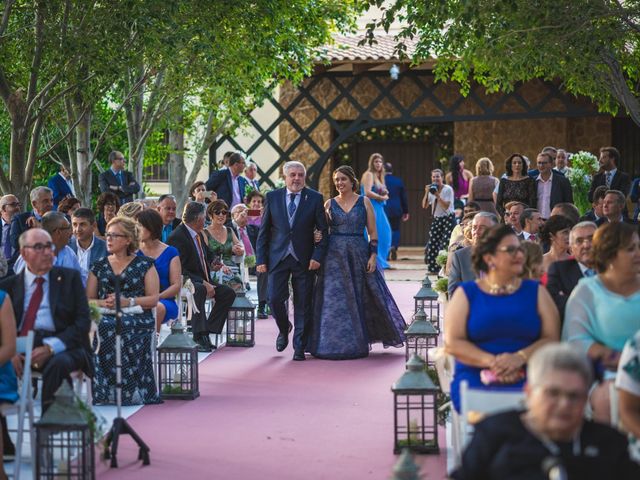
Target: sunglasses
511 249
221 212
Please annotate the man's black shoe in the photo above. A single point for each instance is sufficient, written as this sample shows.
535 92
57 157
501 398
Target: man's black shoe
203 344
394 254
281 342
262 315
298 356
8 448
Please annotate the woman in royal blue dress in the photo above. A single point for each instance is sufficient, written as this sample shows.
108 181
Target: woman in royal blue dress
353 307
494 324
375 189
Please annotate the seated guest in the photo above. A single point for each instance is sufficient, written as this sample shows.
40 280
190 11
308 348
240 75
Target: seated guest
167 262
222 240
563 276
628 385
555 233
131 209
512 216
42 202
138 288
8 380
457 233
108 206
531 222
596 213
196 259
255 202
613 208
532 268
490 347
52 302
228 183
167 209
461 267
57 225
463 239
87 247
568 210
68 206
602 311
61 185
552 430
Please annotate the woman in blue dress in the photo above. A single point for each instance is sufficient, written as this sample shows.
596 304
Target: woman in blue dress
493 325
8 380
167 262
375 189
353 307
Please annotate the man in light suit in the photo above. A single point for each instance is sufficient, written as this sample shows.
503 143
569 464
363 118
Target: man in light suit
287 251
61 185
87 247
228 183
563 276
118 180
461 269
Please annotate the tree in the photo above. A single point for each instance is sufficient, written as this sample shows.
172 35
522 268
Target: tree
590 45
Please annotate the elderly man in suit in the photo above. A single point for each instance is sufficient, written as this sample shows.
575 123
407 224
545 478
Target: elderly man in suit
288 252
167 209
564 275
461 269
228 183
610 174
52 302
614 208
118 180
552 187
196 259
87 247
61 185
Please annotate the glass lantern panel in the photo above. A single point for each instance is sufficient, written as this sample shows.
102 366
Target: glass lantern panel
421 345
416 422
240 327
176 372
64 454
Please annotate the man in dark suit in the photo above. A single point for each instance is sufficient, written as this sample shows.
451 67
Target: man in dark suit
461 269
167 209
564 275
42 202
396 208
87 247
597 203
118 180
613 208
287 251
552 187
61 185
52 302
9 208
228 183
610 175
196 259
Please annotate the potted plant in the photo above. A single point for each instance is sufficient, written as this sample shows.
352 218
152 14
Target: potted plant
441 286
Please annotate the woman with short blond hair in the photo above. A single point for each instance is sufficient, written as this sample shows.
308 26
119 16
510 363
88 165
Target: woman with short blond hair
482 187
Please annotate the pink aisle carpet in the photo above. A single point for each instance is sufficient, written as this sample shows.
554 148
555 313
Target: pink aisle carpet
261 415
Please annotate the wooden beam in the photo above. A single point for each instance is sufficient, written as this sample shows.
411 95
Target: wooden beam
359 68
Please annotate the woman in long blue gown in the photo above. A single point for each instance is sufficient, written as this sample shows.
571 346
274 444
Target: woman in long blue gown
374 188
353 307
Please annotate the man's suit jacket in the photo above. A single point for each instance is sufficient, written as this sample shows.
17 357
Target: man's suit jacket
129 187
562 278
460 269
67 300
18 225
620 181
276 232
625 219
220 182
397 204
561 191
252 233
181 239
98 251
60 189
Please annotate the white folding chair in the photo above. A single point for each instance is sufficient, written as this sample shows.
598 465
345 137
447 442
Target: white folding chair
23 408
614 405
475 401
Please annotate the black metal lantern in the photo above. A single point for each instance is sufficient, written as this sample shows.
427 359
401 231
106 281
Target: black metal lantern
427 299
415 422
178 366
64 440
421 336
241 321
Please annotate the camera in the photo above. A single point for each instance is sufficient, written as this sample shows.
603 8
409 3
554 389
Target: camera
433 188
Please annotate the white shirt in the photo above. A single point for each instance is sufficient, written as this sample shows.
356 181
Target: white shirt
84 255
44 317
544 196
447 195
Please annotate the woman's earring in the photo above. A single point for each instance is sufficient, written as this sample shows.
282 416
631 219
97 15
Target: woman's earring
492 266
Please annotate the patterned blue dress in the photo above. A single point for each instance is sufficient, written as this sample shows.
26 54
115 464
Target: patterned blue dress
352 308
383 228
139 386
8 380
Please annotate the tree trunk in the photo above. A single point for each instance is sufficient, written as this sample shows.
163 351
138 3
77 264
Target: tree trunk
16 183
177 170
82 164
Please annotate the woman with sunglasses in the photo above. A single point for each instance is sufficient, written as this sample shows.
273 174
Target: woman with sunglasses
221 239
494 324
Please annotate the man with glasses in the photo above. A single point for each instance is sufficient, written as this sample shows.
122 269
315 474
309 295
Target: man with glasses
167 209
9 207
42 202
118 180
59 228
552 187
513 211
228 183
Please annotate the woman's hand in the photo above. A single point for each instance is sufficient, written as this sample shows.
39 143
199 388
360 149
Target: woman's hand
226 270
109 301
371 264
237 249
507 364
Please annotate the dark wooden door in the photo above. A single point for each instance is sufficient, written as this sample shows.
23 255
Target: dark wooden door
412 162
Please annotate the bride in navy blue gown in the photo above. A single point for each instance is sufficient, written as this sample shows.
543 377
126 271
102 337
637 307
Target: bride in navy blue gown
353 307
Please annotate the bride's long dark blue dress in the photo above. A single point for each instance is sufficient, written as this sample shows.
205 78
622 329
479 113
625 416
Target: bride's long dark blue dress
352 308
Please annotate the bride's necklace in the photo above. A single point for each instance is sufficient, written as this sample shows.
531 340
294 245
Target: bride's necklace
506 289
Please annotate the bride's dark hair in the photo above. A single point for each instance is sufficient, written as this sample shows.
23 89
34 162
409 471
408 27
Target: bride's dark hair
348 171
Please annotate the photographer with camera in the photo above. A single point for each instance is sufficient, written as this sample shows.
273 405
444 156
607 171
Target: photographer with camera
439 198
